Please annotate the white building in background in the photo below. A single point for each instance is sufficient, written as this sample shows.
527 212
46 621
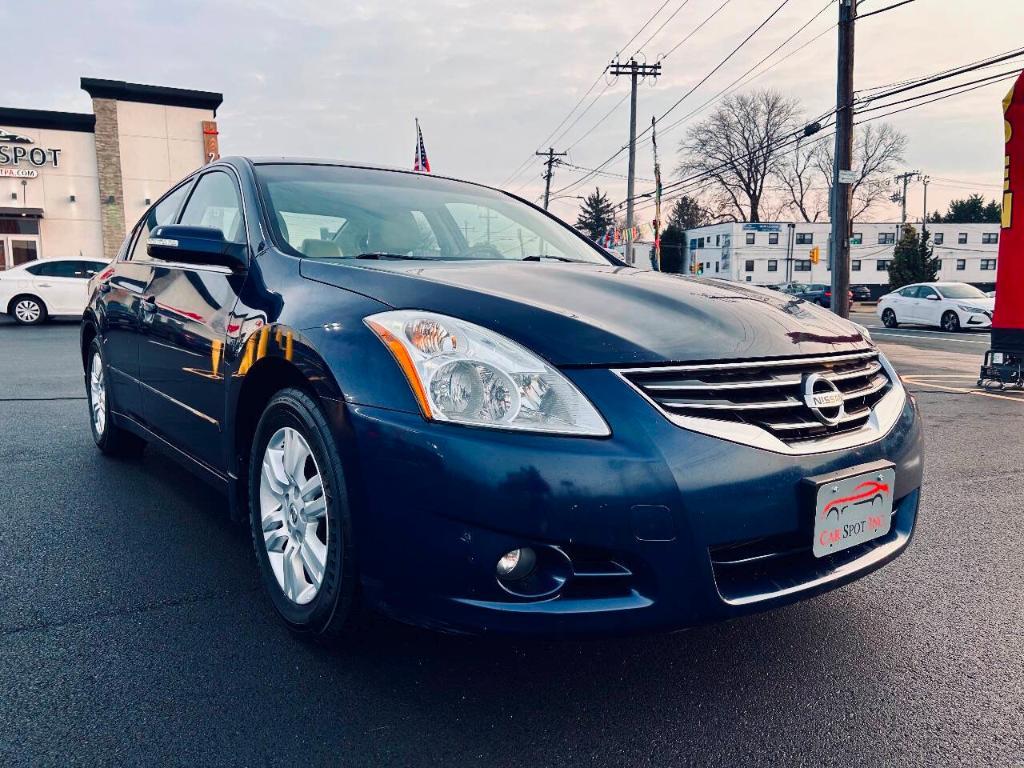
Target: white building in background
770 253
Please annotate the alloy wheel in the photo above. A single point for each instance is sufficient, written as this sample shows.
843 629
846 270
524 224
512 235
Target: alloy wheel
950 322
97 395
28 311
293 514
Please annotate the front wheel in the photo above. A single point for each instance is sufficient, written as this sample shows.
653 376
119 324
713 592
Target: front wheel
889 319
28 310
951 322
300 519
109 438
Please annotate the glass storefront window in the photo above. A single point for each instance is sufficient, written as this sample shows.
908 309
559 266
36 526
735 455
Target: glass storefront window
23 251
18 225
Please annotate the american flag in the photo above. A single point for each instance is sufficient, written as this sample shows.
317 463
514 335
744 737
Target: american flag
421 163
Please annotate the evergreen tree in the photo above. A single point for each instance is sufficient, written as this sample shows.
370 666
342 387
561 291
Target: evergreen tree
596 214
971 210
913 260
993 213
688 213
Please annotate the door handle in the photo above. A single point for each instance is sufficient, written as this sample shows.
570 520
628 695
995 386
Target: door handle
44 285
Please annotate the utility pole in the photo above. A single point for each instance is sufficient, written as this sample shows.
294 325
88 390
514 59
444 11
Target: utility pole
635 70
924 218
840 245
905 178
551 156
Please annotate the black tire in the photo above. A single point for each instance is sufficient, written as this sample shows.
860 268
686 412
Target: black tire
111 439
951 322
329 616
889 319
27 310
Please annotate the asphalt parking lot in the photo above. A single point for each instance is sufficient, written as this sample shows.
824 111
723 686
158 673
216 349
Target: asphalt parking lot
132 629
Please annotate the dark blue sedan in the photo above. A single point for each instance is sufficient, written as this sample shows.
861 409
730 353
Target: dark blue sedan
432 399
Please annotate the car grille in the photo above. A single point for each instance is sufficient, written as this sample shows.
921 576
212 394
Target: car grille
768 393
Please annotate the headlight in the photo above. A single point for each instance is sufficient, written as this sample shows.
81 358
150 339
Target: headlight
462 373
968 310
863 331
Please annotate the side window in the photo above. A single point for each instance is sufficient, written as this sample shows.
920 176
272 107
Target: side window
54 269
924 292
215 203
164 212
909 292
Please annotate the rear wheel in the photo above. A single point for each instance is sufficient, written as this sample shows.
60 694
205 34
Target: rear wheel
109 438
27 310
889 319
300 519
951 322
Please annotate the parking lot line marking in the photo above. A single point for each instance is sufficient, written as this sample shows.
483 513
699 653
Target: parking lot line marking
962 390
926 335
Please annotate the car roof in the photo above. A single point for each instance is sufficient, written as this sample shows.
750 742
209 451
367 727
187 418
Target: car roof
284 160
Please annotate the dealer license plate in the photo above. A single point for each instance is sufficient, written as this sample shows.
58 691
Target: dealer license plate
852 510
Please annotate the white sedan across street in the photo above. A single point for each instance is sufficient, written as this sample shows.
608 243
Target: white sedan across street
950 306
39 289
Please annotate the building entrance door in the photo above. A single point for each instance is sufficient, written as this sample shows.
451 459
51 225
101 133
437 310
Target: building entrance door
18 249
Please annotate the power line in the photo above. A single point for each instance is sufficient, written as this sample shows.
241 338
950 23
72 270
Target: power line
582 98
929 79
695 30
722 63
663 24
621 101
735 84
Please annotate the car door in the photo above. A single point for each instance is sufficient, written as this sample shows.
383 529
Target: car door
183 317
54 282
904 304
929 305
118 300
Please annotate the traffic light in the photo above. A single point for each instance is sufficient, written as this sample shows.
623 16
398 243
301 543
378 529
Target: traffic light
815 255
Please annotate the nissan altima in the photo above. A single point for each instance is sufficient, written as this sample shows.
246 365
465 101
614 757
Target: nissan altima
432 399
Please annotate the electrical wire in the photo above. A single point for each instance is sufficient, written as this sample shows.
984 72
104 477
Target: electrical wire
717 67
582 98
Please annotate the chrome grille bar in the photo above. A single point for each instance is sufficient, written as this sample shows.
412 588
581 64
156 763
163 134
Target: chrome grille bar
767 394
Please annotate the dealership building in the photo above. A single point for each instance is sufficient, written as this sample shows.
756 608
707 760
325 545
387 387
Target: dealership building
73 183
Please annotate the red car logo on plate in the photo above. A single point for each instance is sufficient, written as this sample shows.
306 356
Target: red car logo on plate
865 493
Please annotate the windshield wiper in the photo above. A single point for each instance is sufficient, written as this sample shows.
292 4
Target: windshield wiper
382 255
554 258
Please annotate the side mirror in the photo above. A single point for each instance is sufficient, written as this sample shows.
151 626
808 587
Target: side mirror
932 297
202 246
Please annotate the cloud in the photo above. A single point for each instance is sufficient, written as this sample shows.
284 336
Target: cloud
490 80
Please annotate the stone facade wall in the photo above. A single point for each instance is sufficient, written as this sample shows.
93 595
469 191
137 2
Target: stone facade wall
108 162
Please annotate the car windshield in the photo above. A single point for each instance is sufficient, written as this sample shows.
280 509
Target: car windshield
334 212
961 291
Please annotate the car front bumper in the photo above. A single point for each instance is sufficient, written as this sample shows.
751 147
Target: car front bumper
974 319
653 529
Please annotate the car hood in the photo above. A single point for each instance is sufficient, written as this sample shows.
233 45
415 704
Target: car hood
583 314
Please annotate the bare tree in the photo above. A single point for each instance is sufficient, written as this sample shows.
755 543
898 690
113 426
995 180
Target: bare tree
800 181
737 149
877 150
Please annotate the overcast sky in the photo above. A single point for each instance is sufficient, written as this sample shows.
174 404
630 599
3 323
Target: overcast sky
490 81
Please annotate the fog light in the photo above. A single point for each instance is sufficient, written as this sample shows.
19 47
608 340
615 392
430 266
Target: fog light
517 564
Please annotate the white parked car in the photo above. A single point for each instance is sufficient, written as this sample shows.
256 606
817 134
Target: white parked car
39 289
950 306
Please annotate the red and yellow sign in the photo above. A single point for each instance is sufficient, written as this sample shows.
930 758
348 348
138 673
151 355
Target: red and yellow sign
1008 321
